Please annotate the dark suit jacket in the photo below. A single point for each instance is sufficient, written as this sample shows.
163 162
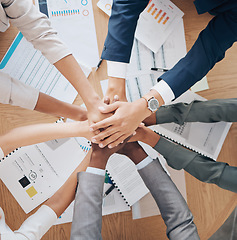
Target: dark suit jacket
210 47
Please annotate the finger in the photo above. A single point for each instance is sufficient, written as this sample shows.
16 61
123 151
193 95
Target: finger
103 124
96 132
121 139
111 139
107 100
109 108
104 134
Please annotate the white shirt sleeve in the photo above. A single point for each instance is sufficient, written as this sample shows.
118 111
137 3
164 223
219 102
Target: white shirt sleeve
97 171
116 69
36 28
16 93
165 91
37 224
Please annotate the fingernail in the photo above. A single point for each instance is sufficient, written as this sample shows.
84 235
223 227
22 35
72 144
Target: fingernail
134 133
116 97
93 140
110 146
91 129
101 108
101 145
122 142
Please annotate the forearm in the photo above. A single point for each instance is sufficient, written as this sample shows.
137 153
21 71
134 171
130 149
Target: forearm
36 28
121 29
71 70
117 87
146 135
50 105
33 134
215 110
65 195
87 216
209 48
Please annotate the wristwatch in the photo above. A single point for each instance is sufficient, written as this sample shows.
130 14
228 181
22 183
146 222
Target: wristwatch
152 103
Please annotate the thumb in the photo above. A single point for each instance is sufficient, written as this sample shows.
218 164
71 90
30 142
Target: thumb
109 108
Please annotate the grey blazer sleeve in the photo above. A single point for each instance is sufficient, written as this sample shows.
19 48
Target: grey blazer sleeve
203 168
174 210
199 111
87 216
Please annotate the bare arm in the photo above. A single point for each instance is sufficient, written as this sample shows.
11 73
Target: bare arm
33 134
50 105
66 194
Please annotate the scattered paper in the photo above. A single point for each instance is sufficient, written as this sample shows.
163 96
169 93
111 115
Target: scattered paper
157 22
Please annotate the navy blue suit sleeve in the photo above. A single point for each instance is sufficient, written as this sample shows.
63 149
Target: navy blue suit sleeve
121 29
210 47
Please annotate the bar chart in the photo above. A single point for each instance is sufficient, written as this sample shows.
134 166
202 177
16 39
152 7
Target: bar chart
157 22
162 12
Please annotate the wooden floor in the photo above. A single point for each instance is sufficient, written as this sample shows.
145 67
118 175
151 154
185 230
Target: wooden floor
209 204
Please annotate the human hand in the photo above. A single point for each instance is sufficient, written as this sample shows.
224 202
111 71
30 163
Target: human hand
95 115
127 117
99 157
134 151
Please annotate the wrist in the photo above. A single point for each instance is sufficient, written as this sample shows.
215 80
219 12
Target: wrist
83 129
141 106
154 93
93 102
151 138
116 86
98 160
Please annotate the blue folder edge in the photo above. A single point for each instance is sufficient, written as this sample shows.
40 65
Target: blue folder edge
11 50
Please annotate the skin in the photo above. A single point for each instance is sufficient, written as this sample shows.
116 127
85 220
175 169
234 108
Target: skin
53 106
127 116
72 71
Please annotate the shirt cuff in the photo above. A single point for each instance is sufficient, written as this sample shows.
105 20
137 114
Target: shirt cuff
96 171
37 224
165 91
116 69
144 163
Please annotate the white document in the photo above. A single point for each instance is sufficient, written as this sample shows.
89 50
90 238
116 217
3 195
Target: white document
157 22
147 207
173 49
106 6
29 66
34 173
66 216
204 138
125 176
113 202
200 85
74 21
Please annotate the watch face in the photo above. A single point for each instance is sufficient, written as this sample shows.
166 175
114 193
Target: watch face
153 104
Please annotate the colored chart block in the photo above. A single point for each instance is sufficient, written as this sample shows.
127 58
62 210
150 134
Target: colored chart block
31 192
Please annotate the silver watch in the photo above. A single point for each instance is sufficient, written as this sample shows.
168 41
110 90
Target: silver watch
152 103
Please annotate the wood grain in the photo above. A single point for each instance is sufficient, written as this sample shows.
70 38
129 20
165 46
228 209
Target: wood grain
209 204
